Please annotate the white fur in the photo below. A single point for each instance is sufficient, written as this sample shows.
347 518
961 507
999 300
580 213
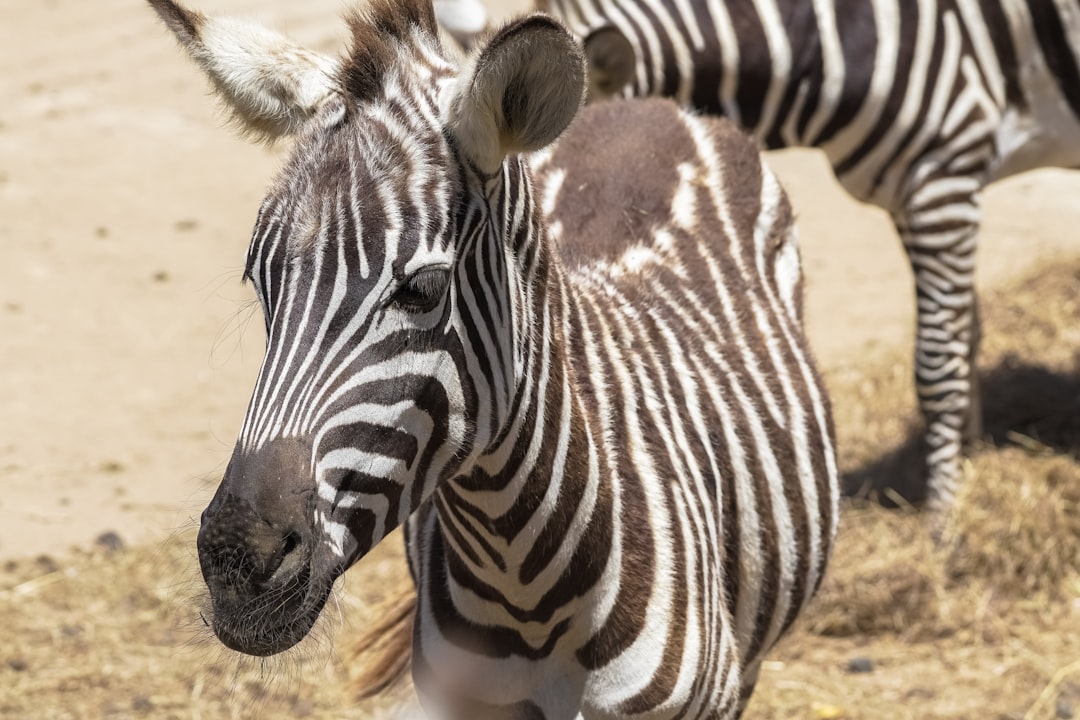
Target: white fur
271 85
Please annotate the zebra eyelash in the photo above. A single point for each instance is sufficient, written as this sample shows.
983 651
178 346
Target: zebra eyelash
422 291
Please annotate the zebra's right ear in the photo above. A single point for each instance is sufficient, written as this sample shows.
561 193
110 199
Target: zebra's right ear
519 92
272 85
611 60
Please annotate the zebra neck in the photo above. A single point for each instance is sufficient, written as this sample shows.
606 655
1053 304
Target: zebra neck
526 532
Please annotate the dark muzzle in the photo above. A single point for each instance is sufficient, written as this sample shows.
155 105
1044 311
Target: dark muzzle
256 545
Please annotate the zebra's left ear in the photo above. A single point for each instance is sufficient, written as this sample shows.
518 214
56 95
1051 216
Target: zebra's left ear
519 93
272 85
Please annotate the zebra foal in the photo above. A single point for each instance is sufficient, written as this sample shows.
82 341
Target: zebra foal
918 105
602 431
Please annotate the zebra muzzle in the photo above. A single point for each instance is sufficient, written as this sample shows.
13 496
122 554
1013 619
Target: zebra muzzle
256 548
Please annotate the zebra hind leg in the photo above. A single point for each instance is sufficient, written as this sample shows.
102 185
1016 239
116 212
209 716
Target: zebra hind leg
942 257
940 243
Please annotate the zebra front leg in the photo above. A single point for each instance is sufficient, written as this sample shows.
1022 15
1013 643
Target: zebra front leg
940 242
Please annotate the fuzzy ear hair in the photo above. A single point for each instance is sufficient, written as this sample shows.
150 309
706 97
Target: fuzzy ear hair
611 60
519 93
271 85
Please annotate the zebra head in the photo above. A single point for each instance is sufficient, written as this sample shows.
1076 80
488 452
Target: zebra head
396 257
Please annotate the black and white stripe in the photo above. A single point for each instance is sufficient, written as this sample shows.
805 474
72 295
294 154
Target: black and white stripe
587 396
918 104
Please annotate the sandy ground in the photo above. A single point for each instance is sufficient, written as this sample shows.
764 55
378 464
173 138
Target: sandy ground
128 345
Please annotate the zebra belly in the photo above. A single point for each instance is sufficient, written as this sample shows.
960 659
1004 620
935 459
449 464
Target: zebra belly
1047 136
1045 133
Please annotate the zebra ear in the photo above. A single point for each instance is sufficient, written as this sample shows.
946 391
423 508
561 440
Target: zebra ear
271 85
611 61
522 89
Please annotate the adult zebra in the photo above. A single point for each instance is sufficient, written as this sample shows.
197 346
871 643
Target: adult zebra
606 438
918 105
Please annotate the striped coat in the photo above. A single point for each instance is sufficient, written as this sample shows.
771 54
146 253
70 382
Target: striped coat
918 104
588 398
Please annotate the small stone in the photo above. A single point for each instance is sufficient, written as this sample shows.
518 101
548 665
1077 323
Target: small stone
110 541
101 231
860 665
142 704
1064 710
112 466
186 225
46 564
160 276
18 664
920 693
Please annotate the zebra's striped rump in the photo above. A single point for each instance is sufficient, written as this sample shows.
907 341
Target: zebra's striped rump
587 397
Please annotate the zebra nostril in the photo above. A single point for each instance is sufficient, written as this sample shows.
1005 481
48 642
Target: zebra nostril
291 543
289 560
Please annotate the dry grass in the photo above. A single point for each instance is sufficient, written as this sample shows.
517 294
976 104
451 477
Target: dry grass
117 634
987 625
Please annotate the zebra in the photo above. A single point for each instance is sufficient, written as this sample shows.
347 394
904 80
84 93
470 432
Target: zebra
588 399
917 104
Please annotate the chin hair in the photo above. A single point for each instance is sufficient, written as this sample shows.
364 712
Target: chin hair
246 680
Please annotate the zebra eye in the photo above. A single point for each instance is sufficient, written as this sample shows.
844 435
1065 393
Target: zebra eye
423 291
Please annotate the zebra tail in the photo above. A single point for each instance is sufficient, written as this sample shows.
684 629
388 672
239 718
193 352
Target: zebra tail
383 654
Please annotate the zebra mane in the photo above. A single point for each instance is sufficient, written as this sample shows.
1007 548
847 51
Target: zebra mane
379 28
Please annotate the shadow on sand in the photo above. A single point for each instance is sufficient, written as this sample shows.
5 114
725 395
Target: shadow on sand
1024 405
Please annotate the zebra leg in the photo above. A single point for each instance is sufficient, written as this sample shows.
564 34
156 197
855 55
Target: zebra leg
940 238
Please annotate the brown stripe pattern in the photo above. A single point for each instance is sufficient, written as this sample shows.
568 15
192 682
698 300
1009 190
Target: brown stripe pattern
579 380
918 104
